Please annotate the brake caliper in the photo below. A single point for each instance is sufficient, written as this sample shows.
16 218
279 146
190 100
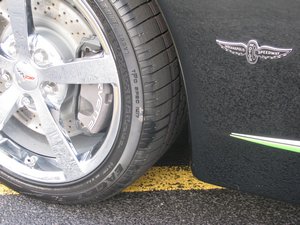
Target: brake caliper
95 101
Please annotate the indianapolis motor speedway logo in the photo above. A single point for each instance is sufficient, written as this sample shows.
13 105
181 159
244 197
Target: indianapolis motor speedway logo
253 51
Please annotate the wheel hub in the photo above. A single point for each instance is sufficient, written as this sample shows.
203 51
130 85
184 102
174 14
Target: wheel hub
25 76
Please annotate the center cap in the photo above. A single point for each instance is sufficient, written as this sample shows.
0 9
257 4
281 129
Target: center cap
26 76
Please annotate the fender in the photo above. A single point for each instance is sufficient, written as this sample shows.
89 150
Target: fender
244 114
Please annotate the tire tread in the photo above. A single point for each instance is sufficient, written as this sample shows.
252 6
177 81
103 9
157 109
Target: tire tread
164 95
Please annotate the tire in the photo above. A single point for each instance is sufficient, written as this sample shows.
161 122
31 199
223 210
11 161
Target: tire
146 115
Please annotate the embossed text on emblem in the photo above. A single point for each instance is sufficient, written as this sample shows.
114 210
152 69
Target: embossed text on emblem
253 51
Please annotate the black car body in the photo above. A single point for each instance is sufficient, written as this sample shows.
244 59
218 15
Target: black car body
228 96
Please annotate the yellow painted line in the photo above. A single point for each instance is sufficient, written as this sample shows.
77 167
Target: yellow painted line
169 179
6 191
173 178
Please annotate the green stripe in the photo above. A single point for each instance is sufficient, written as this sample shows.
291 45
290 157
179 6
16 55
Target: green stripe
280 146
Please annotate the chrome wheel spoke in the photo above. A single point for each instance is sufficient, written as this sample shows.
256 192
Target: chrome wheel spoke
82 71
59 141
8 104
21 21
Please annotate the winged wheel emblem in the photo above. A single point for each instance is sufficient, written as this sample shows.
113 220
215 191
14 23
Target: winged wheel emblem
253 51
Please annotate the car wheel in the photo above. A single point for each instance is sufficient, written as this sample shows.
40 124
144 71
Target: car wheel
90 96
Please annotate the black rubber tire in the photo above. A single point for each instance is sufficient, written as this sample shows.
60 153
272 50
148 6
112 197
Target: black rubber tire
154 103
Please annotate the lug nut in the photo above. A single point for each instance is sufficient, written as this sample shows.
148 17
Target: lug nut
7 80
26 101
5 77
50 88
40 57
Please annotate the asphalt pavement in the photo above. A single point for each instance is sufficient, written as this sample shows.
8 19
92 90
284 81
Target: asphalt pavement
203 206
165 207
